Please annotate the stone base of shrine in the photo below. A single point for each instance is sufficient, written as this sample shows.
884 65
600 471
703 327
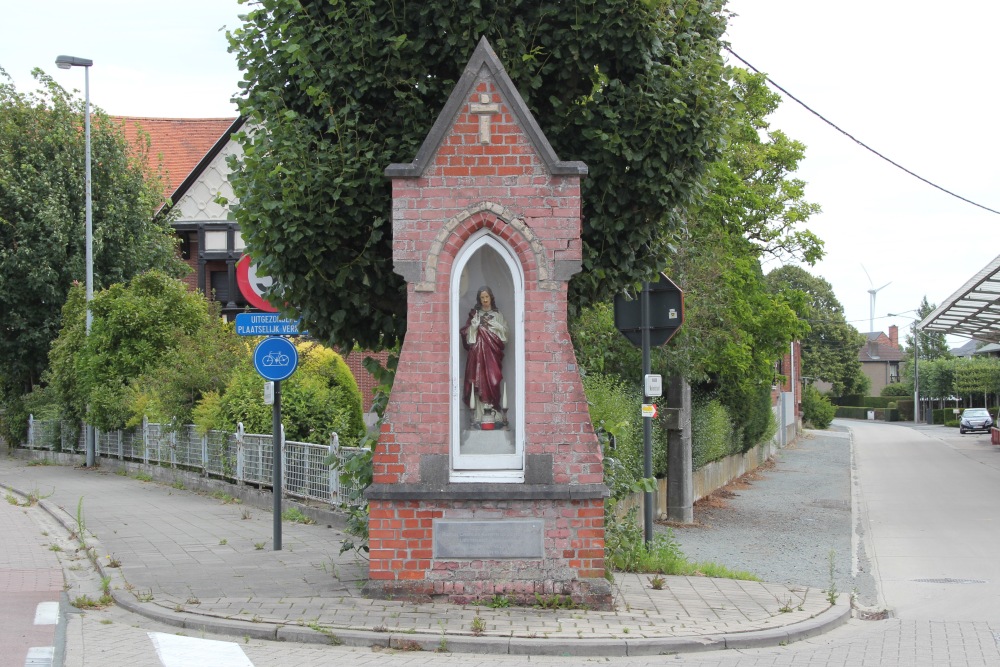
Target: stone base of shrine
441 544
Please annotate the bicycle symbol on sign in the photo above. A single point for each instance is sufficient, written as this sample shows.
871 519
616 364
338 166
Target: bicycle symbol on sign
275 358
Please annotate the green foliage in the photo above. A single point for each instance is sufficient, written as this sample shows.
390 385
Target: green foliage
830 348
752 190
601 348
630 88
616 413
978 375
933 345
200 363
897 389
712 435
136 328
42 246
817 409
627 551
320 398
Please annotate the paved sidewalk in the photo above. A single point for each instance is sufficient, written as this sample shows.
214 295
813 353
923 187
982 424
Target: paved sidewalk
201 563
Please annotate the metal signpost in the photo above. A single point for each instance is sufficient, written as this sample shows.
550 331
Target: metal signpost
650 320
275 359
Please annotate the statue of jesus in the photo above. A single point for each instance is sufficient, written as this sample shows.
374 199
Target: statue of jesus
485 337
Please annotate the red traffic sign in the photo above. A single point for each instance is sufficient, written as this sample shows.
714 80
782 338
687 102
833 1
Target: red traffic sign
649 410
253 286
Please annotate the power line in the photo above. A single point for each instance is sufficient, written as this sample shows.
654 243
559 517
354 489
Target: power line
855 139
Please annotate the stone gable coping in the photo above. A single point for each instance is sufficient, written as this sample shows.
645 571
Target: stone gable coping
484 56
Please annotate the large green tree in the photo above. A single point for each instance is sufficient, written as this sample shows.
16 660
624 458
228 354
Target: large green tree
339 90
933 345
830 349
42 248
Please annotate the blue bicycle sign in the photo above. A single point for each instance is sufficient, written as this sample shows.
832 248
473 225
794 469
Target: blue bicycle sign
275 358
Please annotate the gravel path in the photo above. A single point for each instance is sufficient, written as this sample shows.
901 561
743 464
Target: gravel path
784 522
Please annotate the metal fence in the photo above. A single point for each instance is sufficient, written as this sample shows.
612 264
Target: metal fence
240 458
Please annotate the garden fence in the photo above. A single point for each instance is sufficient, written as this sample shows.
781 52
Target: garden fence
240 458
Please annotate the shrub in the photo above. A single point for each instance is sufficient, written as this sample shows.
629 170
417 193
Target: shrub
615 412
817 409
897 389
712 434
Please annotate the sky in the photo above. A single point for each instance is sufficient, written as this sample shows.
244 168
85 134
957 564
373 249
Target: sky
914 80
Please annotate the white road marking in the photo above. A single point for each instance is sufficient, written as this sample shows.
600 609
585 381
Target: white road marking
40 656
175 651
47 613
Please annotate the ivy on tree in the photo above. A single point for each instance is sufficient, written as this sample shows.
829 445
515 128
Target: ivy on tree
336 91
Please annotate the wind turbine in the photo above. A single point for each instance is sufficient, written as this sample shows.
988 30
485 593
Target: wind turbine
872 292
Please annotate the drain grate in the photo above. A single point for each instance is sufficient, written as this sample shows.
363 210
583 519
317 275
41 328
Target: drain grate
950 581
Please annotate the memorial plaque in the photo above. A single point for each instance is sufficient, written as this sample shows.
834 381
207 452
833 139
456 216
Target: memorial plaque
488 539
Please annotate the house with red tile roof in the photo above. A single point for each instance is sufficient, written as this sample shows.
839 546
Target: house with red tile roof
191 155
880 357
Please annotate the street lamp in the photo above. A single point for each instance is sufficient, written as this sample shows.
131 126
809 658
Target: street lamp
66 62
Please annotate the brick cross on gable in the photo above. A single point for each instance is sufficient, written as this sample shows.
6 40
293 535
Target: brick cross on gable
484 109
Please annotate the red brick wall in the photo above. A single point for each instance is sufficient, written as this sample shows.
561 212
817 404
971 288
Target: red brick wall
503 187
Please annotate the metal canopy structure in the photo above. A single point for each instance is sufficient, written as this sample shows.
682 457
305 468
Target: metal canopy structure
973 311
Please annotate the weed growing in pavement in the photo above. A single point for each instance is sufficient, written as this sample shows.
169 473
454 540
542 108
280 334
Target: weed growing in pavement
106 621
113 560
55 547
121 472
245 514
225 497
179 485
144 596
786 608
478 625
11 499
442 646
106 585
380 628
334 639
295 515
555 602
259 546
627 551
81 523
223 542
409 645
656 581
192 601
34 496
831 591
87 602
499 602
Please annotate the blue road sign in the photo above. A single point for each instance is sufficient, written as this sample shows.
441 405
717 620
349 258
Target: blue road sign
275 358
267 324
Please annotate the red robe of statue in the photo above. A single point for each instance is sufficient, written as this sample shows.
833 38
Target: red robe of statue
484 366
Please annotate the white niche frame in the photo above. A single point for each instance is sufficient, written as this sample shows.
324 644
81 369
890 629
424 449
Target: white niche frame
487 467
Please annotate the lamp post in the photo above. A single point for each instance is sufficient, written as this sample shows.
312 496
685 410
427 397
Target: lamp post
66 62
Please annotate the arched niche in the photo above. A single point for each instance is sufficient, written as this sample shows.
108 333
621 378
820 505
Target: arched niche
487 441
